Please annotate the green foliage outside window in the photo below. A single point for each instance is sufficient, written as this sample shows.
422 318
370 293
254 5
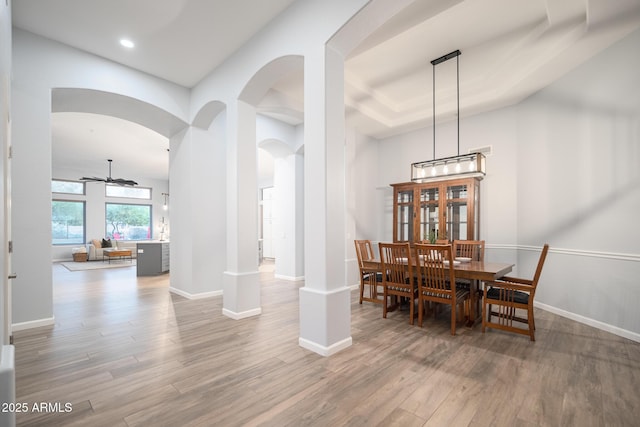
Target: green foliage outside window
128 222
67 222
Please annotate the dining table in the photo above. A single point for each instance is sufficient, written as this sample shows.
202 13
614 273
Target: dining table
474 271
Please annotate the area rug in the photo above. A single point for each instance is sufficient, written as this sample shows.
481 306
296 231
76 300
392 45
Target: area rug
98 265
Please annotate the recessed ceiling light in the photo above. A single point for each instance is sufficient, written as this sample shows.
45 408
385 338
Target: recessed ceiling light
127 43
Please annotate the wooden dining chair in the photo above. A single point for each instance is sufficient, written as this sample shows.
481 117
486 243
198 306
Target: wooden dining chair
473 249
370 279
398 280
510 297
435 274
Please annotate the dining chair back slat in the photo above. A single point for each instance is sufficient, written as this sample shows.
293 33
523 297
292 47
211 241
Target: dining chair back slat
436 280
370 279
473 249
397 276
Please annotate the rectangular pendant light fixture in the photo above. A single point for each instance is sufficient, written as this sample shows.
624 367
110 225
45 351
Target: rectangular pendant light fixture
466 165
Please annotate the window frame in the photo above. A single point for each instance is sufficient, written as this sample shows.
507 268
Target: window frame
84 221
106 194
106 222
84 187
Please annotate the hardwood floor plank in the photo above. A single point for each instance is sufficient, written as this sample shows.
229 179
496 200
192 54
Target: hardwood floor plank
124 351
400 418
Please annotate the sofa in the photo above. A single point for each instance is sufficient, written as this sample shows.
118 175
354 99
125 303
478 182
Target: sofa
95 248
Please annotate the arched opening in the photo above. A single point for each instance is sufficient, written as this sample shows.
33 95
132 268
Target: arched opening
87 128
279 130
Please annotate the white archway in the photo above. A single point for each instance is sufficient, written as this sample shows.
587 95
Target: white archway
82 100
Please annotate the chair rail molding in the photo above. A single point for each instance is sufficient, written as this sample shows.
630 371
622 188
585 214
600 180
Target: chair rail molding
567 251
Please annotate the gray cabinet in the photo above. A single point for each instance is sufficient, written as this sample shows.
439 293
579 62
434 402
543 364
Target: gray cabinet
153 258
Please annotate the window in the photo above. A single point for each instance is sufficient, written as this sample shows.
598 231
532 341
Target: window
128 222
67 222
68 187
130 192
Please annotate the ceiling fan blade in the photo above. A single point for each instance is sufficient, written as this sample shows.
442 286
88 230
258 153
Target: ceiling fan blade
109 180
121 181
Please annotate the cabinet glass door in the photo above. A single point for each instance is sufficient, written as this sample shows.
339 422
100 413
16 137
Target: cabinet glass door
429 212
405 216
457 214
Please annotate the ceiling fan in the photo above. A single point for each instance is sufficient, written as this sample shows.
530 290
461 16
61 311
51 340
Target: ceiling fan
109 180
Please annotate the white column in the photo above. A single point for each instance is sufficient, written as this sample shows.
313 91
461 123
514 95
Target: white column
198 217
241 278
299 207
351 263
287 218
325 310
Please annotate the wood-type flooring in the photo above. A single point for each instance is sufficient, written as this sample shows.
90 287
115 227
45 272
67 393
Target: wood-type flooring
124 351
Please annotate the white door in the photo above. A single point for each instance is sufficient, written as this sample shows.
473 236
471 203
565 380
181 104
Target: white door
267 223
5 212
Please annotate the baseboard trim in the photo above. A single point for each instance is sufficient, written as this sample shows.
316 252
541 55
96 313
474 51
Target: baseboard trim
324 350
33 324
246 273
288 278
243 315
201 295
633 336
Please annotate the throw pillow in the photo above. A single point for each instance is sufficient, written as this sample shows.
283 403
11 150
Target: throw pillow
106 243
97 243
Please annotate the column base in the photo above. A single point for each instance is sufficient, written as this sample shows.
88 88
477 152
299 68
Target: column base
241 295
325 320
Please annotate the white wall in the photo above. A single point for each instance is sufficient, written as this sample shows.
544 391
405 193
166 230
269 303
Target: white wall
564 170
497 129
579 188
363 196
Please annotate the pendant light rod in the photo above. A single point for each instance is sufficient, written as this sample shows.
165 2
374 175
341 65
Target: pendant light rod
434 109
455 54
458 96
468 165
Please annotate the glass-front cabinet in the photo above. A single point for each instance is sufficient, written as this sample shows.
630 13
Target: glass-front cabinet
403 215
437 210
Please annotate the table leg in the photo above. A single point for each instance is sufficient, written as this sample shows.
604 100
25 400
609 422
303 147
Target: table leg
473 297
